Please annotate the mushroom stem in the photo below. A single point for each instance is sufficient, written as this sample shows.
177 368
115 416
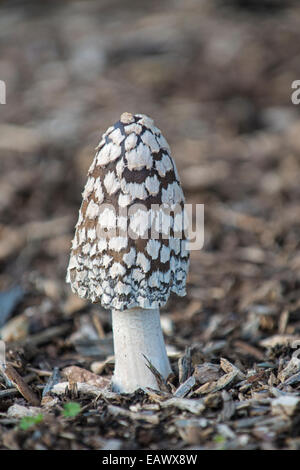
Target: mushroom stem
138 332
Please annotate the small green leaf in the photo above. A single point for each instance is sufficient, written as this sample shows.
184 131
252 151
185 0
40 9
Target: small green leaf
71 409
220 441
28 421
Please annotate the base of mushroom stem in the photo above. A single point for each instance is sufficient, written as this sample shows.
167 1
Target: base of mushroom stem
137 333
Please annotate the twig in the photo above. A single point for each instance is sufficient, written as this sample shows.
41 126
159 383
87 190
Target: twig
44 336
160 380
21 385
53 380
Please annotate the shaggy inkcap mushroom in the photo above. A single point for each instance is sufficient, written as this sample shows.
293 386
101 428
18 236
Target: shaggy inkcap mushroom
129 250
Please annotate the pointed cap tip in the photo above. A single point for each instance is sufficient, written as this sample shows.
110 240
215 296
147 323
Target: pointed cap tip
127 118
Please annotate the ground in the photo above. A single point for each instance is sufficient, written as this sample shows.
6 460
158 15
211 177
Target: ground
217 79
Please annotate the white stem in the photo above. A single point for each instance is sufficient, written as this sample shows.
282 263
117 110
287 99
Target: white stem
136 332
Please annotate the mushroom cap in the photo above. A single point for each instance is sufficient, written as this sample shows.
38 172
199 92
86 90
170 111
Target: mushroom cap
130 245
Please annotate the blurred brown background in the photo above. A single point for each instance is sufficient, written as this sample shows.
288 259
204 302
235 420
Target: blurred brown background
216 77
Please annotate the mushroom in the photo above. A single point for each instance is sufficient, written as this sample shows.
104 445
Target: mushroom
129 250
